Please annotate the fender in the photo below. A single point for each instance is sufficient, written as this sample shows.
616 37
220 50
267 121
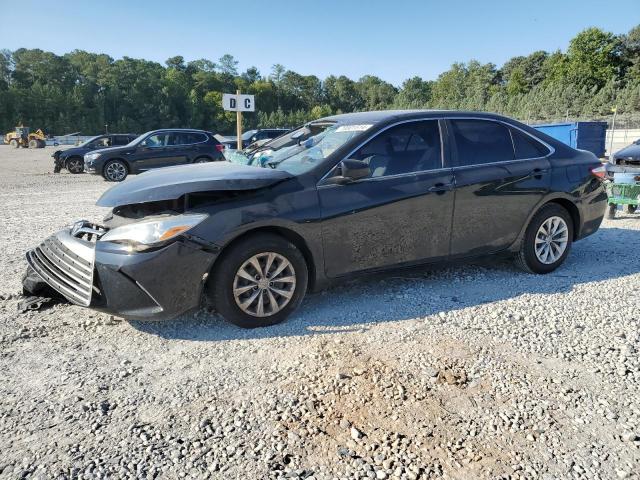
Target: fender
306 236
546 199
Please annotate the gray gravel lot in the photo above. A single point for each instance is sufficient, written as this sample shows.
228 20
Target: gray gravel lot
476 371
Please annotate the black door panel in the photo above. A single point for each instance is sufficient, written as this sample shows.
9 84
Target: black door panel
495 190
492 203
384 221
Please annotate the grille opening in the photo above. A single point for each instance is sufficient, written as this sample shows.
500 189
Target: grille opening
87 231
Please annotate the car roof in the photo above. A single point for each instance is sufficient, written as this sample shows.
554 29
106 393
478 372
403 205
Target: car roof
163 130
378 116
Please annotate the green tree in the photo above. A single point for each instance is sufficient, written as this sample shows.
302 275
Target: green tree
415 93
593 58
375 92
228 65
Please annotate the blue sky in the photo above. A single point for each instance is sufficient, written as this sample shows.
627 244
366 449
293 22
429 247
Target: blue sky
394 39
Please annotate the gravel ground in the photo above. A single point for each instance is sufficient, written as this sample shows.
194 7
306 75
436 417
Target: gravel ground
476 371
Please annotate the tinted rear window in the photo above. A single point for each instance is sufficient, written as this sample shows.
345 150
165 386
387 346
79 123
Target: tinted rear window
187 138
481 141
526 146
120 140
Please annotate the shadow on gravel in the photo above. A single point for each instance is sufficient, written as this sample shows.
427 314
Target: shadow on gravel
420 292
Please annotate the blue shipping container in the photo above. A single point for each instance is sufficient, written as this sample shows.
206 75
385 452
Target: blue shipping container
583 135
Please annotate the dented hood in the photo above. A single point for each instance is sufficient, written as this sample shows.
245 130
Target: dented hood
172 182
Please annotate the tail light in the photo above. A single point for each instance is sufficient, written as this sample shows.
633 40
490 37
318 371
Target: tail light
220 147
599 172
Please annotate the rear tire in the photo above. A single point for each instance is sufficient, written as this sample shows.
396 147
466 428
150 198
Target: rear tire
235 281
611 211
630 208
33 143
75 165
115 171
556 221
201 160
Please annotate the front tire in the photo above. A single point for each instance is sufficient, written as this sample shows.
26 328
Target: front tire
631 209
201 160
547 240
611 211
115 171
14 143
33 143
259 281
75 165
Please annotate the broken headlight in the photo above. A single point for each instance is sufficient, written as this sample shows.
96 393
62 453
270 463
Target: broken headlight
92 156
148 233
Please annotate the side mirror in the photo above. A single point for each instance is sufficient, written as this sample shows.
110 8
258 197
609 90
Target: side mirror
351 170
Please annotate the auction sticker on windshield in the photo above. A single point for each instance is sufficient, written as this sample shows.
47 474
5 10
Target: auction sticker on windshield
353 128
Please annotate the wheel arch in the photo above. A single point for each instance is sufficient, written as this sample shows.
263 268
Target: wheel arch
568 204
286 233
66 160
573 210
126 163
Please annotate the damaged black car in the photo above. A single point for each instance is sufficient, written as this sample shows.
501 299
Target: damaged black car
73 158
341 196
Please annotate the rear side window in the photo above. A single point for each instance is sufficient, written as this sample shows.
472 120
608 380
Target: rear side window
406 148
186 138
120 140
526 146
194 137
481 141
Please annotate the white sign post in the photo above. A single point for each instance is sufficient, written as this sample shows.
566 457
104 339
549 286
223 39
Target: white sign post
238 103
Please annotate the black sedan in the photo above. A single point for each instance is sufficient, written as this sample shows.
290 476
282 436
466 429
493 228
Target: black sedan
155 149
341 196
73 158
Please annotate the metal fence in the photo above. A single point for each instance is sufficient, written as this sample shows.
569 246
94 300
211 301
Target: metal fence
68 139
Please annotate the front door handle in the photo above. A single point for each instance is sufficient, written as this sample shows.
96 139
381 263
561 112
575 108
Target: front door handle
441 188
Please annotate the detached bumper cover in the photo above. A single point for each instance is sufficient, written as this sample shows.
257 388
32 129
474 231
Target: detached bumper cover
155 285
66 264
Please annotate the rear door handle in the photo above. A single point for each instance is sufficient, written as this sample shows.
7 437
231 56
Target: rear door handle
538 172
440 188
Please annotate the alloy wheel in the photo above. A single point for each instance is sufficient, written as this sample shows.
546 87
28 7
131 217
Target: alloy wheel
551 240
264 284
116 171
75 166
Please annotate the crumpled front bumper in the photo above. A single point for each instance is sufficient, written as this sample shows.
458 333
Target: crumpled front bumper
152 285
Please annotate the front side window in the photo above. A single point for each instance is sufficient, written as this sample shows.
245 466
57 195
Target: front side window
101 142
406 148
157 140
481 141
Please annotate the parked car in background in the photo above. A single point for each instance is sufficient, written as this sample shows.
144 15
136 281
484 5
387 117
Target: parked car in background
628 156
155 149
251 136
73 158
341 196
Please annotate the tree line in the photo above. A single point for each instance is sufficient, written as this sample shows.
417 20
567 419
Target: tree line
83 91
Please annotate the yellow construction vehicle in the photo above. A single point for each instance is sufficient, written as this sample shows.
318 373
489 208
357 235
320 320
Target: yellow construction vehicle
23 137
